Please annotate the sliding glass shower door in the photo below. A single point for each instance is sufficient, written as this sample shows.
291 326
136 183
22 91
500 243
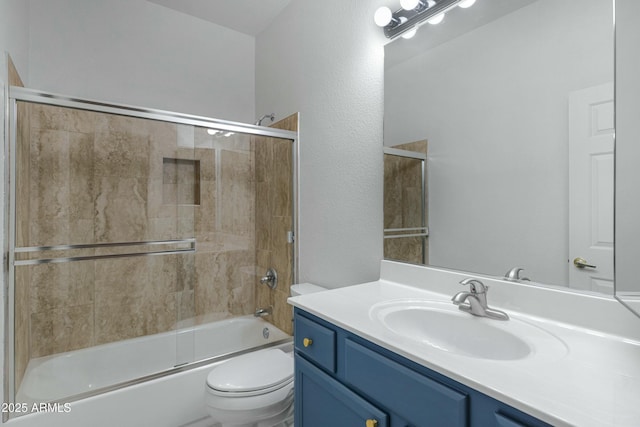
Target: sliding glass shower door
131 232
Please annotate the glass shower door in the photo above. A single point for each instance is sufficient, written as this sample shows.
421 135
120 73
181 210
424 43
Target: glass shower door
103 248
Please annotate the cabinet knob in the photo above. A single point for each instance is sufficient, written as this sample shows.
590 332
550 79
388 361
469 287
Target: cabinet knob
372 423
307 342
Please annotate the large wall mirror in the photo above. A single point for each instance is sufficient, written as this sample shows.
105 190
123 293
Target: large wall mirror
627 285
513 103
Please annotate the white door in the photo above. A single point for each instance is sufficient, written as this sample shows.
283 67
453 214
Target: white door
591 178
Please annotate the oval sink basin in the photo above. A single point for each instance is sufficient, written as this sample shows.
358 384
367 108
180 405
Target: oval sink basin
444 327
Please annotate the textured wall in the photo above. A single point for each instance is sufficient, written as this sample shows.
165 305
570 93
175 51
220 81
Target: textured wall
138 53
325 60
14 34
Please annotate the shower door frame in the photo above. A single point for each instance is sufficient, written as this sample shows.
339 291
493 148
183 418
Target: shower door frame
14 94
423 230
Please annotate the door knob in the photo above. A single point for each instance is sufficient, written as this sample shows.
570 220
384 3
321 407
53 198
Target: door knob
372 423
582 263
307 342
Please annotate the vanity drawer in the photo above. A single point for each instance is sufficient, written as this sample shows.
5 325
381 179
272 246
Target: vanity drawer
421 400
504 421
316 342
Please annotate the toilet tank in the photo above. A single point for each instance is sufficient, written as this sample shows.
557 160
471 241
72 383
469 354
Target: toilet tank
305 288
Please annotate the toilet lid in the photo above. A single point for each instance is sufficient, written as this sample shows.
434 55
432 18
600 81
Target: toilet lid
252 372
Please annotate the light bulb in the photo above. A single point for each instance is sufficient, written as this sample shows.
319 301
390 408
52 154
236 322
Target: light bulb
409 33
212 131
383 16
436 19
466 3
409 4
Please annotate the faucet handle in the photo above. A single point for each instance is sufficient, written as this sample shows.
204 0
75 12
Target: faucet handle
477 287
513 275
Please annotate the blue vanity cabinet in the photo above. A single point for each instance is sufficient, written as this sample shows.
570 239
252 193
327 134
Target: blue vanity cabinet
345 380
321 401
415 397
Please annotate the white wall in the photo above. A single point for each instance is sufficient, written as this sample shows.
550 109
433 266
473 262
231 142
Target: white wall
325 60
138 53
14 33
493 104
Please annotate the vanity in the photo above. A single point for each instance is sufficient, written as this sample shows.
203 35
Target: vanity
342 379
398 352
499 137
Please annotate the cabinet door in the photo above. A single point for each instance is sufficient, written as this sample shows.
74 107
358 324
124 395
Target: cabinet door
320 401
417 398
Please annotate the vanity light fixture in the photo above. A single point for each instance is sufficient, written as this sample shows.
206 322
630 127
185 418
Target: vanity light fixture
409 33
413 4
436 19
384 18
219 133
405 21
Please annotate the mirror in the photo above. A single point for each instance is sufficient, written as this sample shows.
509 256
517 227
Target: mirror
515 101
627 153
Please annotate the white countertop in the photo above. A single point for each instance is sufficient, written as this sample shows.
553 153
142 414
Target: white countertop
595 382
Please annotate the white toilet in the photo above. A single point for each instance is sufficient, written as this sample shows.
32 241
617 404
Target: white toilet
255 389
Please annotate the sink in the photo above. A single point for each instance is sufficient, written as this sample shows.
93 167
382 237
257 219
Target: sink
444 327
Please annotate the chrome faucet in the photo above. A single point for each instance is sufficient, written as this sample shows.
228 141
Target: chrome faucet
513 275
475 301
262 312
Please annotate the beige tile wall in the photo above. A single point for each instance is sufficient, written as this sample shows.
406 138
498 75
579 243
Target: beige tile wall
22 276
96 178
403 203
274 220
21 295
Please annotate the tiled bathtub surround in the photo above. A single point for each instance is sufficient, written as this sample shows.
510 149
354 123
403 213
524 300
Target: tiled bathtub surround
274 220
403 203
85 178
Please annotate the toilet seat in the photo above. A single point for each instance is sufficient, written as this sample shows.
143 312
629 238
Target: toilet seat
252 374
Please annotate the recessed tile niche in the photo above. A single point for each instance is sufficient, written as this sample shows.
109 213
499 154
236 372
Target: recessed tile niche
180 181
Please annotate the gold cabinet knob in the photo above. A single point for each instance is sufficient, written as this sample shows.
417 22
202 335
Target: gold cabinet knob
307 342
372 423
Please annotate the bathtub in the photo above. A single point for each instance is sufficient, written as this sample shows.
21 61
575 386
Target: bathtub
67 376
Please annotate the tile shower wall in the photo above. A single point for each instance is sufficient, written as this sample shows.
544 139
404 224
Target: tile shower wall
403 203
86 177
274 220
21 296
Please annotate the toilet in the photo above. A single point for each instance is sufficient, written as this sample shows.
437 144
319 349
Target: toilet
255 389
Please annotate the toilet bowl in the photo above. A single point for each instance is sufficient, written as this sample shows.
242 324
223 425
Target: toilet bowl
252 390
255 389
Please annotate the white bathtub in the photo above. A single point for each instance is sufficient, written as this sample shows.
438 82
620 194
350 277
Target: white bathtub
78 372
